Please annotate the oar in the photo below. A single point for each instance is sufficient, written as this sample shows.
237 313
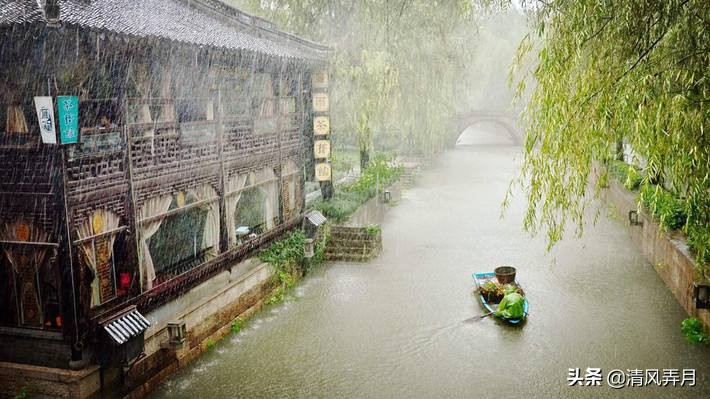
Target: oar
475 318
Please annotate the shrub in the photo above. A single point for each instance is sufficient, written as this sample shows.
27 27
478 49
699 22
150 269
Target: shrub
628 175
692 329
618 169
25 392
343 204
668 210
286 254
237 325
210 344
349 197
699 242
633 178
277 296
379 171
372 230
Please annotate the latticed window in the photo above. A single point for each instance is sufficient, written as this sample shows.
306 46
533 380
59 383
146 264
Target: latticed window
265 118
252 204
177 233
178 243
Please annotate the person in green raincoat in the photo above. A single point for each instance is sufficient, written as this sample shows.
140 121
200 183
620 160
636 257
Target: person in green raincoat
512 304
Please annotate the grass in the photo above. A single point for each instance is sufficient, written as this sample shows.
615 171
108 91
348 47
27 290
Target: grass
348 198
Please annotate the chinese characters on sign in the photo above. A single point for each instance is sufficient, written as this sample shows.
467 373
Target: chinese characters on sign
321 149
618 379
321 125
323 172
320 79
68 107
320 102
45 116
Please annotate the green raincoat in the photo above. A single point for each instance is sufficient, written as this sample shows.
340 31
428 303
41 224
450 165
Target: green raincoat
511 306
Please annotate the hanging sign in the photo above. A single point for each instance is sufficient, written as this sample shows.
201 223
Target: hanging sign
45 115
319 79
322 172
68 107
321 149
320 102
321 125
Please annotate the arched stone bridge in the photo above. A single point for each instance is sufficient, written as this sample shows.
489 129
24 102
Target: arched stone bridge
507 120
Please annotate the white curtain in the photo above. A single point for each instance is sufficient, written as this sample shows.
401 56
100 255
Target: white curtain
142 77
210 236
97 223
236 182
266 180
152 207
167 113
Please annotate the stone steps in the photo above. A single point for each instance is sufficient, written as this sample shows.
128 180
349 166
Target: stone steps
352 244
349 258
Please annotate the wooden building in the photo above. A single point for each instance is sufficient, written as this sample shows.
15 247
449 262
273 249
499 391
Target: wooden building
194 131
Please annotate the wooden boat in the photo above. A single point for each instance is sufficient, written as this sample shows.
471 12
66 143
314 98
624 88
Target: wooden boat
482 278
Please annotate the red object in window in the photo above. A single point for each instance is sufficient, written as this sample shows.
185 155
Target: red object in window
124 279
58 321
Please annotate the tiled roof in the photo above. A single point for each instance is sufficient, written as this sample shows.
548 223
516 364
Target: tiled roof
316 218
200 22
16 12
126 326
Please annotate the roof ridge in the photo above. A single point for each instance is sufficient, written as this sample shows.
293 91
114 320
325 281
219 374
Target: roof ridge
253 21
209 23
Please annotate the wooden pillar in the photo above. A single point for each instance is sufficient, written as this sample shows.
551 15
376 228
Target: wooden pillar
279 135
221 176
132 206
69 277
302 137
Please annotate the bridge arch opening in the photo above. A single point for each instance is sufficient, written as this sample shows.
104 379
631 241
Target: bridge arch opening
487 131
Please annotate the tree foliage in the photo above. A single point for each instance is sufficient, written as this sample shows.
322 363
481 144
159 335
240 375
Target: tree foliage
633 71
399 67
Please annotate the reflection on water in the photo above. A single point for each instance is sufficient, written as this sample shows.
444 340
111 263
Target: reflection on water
393 327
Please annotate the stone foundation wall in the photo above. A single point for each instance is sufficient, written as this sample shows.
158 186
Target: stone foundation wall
207 310
373 211
42 348
47 382
668 252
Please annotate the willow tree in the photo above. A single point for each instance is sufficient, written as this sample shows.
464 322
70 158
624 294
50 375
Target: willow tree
396 64
609 71
372 74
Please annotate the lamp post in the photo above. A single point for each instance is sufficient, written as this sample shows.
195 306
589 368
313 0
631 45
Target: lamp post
702 295
308 248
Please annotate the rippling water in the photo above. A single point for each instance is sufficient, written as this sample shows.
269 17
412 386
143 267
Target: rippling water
393 327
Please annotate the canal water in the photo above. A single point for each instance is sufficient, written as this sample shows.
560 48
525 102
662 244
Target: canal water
394 327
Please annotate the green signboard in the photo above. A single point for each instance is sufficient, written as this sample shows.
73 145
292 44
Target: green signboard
68 107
